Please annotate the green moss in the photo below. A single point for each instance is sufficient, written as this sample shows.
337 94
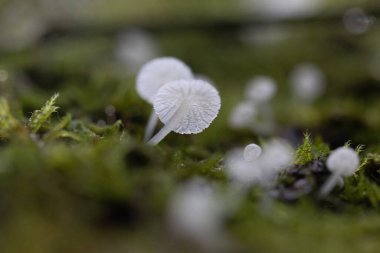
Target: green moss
40 117
303 153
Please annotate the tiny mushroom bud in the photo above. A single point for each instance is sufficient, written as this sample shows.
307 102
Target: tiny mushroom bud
261 89
252 152
185 107
152 76
343 161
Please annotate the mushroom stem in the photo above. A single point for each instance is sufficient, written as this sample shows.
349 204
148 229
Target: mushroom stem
170 125
153 119
329 185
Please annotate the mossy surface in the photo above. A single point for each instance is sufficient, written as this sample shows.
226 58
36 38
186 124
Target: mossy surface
75 175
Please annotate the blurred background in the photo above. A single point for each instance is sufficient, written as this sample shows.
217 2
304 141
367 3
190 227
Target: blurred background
90 51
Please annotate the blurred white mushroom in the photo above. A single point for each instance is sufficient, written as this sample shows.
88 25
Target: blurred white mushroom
356 21
276 155
185 107
195 212
242 115
307 82
342 162
152 76
135 47
241 171
261 89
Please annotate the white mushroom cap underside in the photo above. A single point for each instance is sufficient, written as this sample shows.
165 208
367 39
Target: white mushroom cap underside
197 101
157 72
343 160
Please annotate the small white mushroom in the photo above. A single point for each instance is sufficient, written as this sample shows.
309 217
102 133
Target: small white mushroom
263 171
252 152
307 82
342 162
185 107
242 115
152 76
261 89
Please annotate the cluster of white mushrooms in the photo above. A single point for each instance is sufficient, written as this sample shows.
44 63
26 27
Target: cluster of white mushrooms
255 112
307 84
184 104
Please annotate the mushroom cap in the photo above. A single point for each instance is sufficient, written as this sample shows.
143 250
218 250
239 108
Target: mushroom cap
343 161
252 152
197 100
157 72
261 89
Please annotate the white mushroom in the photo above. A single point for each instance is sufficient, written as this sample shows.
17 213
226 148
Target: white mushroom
342 162
242 115
152 76
276 156
255 166
307 82
261 89
185 107
252 152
